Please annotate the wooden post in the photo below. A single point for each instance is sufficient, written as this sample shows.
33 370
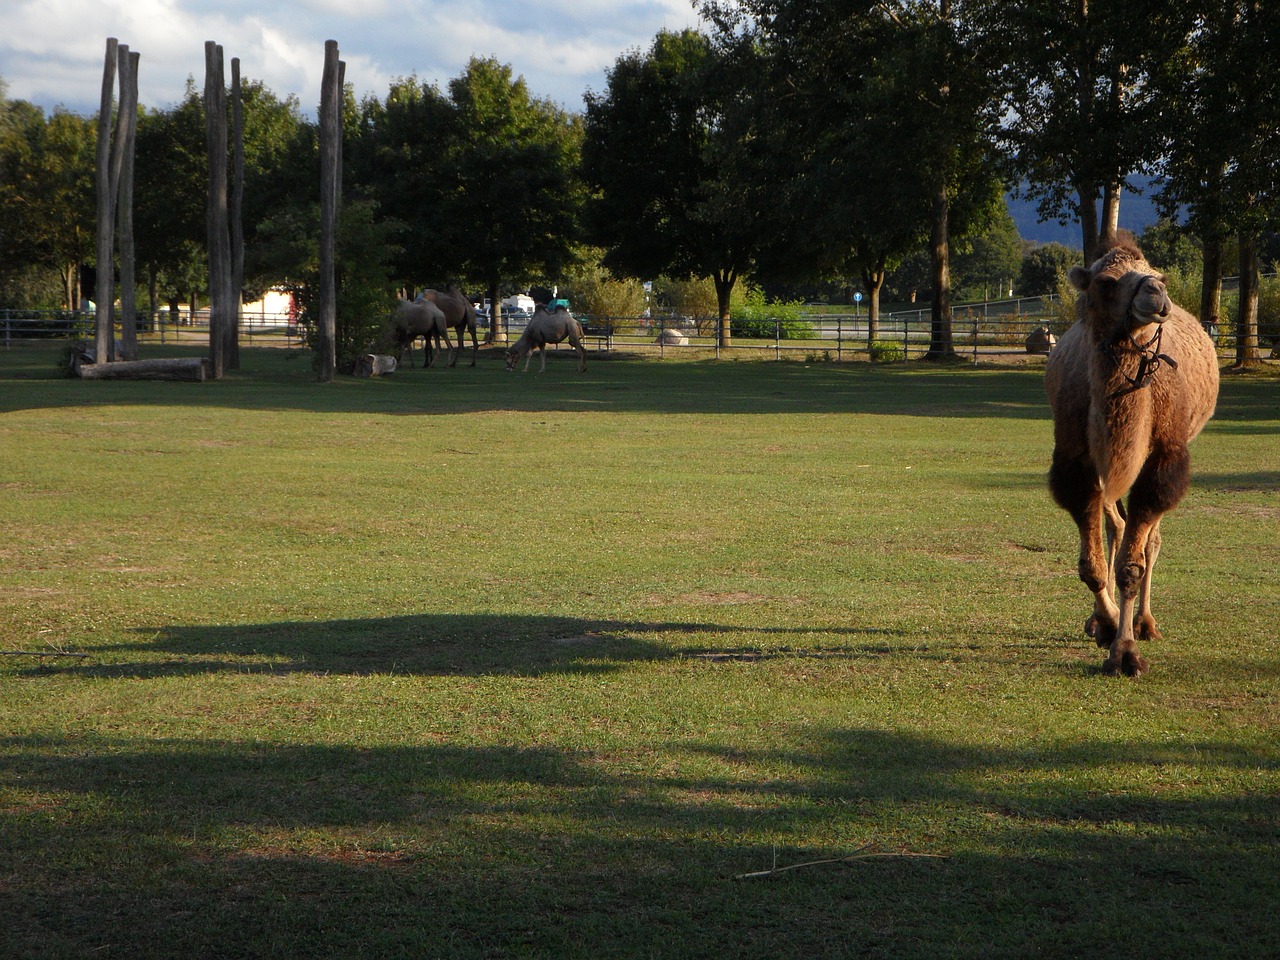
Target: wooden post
105 288
236 217
330 158
126 137
215 114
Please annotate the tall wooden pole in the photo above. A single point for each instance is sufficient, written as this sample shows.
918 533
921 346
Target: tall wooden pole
105 288
126 136
219 241
236 217
330 160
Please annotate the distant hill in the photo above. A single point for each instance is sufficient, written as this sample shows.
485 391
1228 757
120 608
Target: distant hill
1137 212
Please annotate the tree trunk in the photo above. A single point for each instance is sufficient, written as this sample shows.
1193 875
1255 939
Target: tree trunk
872 282
215 114
126 129
330 157
105 293
1087 196
724 281
1211 282
1247 320
941 346
497 327
1109 225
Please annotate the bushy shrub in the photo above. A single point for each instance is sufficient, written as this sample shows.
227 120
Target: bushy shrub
758 318
883 351
1269 310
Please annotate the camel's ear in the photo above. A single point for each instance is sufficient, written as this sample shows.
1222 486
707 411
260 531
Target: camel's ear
1079 278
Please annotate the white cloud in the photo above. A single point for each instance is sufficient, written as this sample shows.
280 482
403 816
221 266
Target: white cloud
51 51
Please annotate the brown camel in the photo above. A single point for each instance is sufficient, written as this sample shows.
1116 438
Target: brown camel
459 314
1131 383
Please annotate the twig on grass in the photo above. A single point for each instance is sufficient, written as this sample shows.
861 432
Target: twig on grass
866 852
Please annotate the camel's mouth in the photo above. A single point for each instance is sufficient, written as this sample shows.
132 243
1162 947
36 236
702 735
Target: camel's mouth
1151 303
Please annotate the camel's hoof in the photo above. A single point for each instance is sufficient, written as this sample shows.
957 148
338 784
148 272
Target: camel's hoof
1130 663
1103 633
1144 628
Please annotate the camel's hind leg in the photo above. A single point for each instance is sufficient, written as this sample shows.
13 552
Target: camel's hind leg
576 343
475 344
1144 627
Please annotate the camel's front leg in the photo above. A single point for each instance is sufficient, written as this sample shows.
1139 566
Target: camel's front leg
527 357
1132 580
1077 489
542 352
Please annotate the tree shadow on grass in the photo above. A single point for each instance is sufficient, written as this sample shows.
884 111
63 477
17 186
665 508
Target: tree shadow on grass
457 645
223 848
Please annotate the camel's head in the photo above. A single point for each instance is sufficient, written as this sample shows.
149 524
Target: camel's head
1121 291
513 357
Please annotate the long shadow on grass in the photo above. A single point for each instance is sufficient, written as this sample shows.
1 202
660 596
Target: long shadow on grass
458 645
616 385
223 848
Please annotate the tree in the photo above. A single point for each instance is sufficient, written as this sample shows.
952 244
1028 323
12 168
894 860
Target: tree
1079 112
1222 146
658 160
1042 267
46 194
511 161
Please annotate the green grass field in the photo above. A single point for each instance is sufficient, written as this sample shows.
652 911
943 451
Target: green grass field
461 663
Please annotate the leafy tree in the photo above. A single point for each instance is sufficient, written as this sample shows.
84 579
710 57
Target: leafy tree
47 199
987 263
1170 247
659 160
1042 267
1080 113
1223 99
511 162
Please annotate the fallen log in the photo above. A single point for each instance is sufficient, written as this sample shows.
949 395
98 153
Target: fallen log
175 368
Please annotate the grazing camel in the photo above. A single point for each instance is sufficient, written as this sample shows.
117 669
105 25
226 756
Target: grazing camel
544 328
459 314
418 318
1130 384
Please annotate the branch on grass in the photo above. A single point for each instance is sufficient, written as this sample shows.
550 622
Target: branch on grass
40 653
862 853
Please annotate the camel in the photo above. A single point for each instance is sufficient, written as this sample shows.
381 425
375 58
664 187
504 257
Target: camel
459 314
419 318
544 328
1131 383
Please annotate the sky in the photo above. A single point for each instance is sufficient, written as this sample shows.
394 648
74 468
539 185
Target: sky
52 51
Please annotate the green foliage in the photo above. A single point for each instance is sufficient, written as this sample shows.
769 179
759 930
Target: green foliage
1167 246
884 351
758 318
1269 309
1043 266
595 292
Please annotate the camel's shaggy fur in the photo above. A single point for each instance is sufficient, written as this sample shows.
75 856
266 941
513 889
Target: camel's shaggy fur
418 318
544 328
1131 383
459 315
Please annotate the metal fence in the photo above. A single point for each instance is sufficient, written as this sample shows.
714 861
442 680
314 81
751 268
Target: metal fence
988 330
259 329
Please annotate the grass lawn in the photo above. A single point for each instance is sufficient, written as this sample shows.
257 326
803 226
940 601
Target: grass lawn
461 663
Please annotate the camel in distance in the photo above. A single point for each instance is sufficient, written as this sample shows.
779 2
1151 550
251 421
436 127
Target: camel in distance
544 328
1131 383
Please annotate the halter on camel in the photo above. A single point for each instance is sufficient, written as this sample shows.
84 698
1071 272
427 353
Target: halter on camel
1149 355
